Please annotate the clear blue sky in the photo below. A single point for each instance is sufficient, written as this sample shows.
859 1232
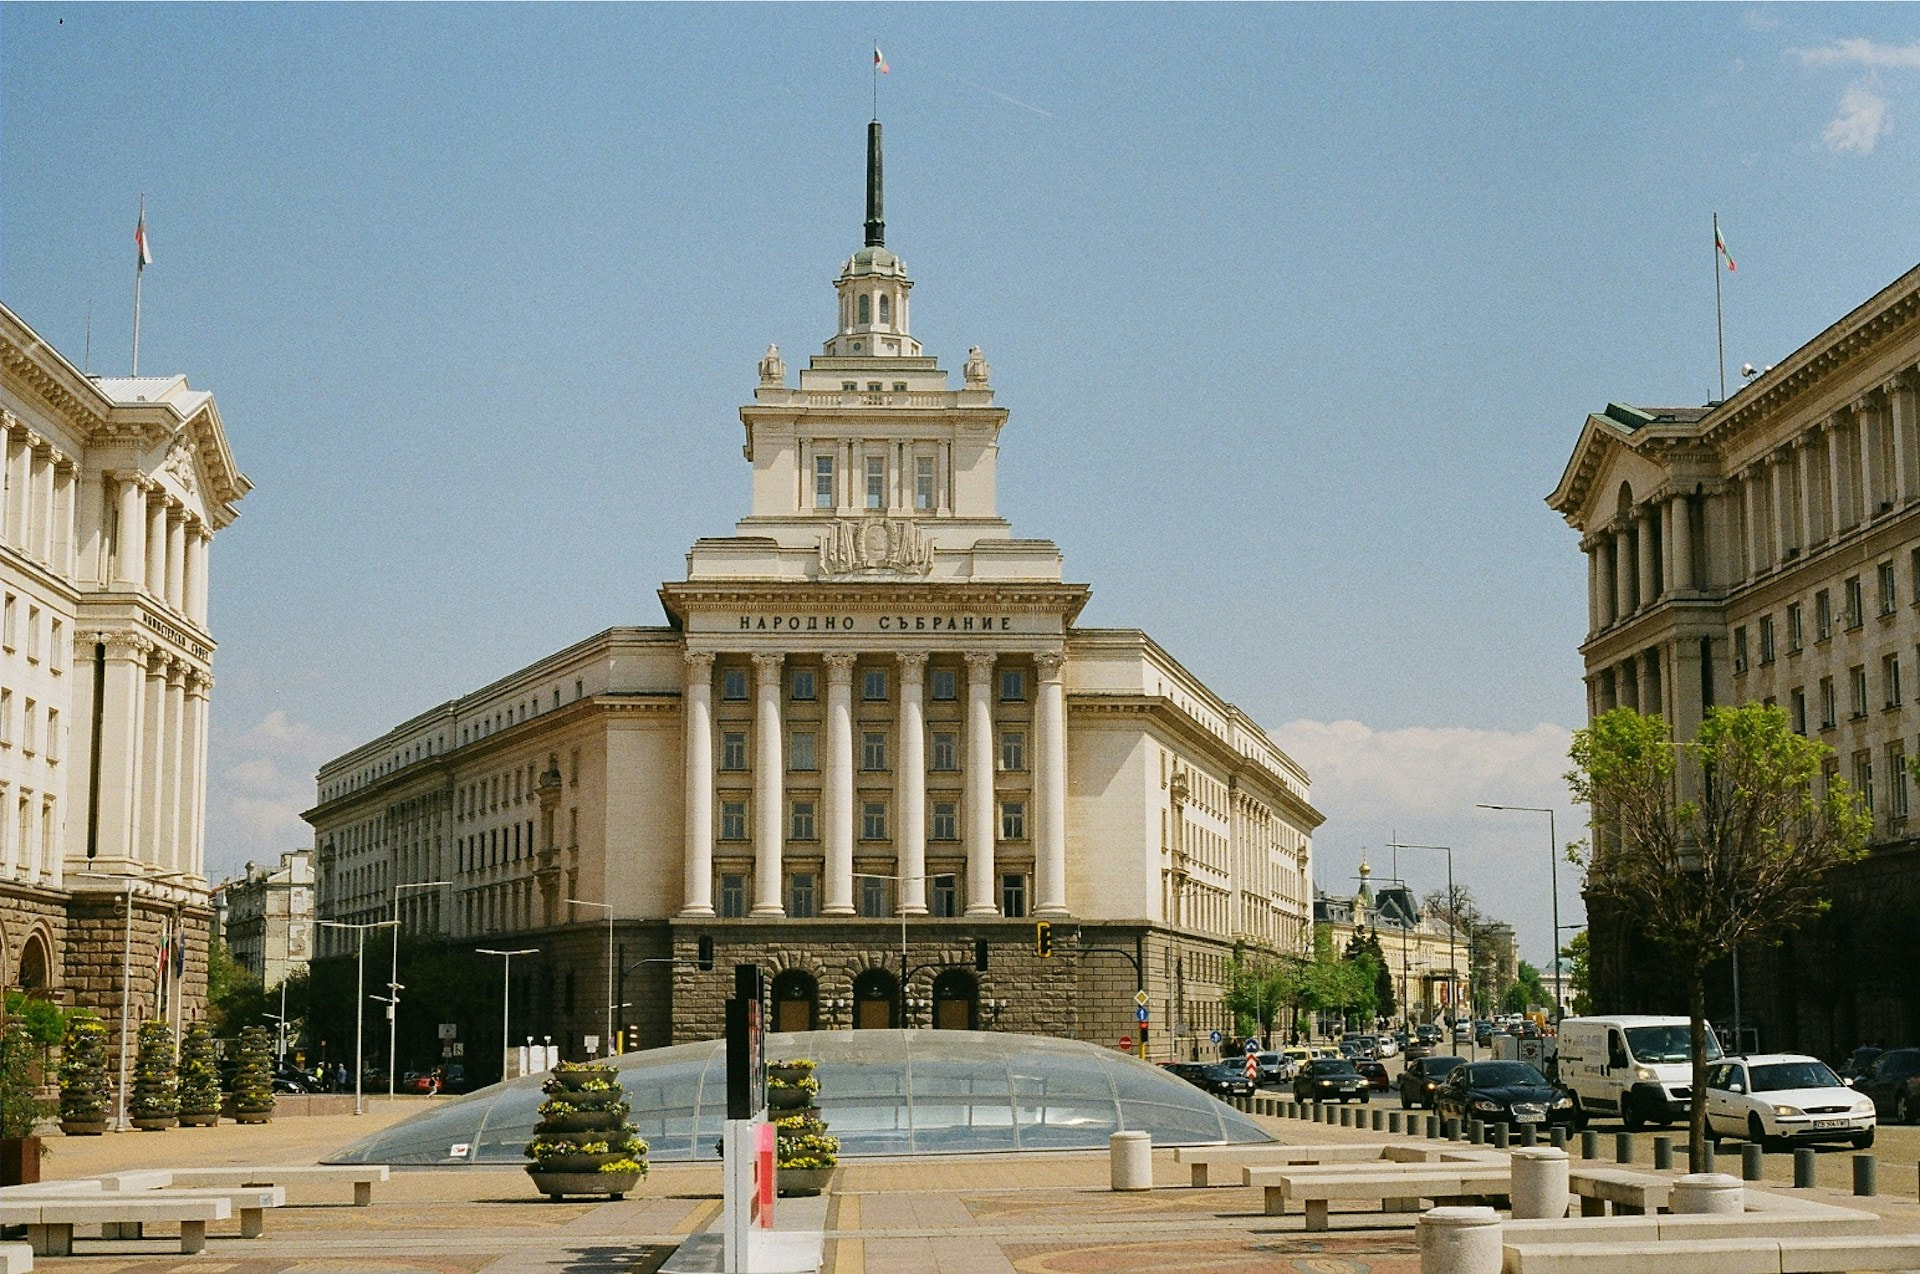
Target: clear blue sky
1298 310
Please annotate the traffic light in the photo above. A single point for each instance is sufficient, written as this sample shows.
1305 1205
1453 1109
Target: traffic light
979 955
706 954
1043 938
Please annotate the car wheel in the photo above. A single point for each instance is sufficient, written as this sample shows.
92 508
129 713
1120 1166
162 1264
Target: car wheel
1861 1140
1630 1114
1365 1098
1757 1134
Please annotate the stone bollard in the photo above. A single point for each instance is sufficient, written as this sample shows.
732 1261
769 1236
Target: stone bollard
1540 1190
1528 1136
1476 1132
1452 1129
1557 1137
1433 1127
1500 1136
1753 1162
1378 1120
1459 1241
1623 1147
1346 1116
1130 1156
1707 1157
1589 1144
1393 1120
1663 1154
1806 1162
1707 1192
1863 1176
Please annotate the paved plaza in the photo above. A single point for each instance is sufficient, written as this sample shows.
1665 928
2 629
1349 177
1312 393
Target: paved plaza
986 1214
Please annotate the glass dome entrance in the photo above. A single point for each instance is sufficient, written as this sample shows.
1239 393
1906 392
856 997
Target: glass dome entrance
884 1092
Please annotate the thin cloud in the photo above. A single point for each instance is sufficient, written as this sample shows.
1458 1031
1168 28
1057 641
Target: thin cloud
1422 773
1859 125
1868 54
259 780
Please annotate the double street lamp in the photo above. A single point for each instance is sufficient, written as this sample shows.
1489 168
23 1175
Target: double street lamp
1453 929
120 1122
393 983
905 1024
608 908
506 984
1553 865
360 1000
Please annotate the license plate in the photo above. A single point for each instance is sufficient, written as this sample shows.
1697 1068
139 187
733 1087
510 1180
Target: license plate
1829 1123
1528 1119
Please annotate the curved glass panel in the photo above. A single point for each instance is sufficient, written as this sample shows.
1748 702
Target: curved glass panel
881 1092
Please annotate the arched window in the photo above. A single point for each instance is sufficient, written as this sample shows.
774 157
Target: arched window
796 1001
866 309
876 1000
886 309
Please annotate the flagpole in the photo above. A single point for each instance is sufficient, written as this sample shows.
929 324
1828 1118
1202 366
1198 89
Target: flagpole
139 272
1719 325
876 79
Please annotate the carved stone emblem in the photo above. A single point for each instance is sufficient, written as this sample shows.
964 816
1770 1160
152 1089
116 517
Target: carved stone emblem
179 463
874 546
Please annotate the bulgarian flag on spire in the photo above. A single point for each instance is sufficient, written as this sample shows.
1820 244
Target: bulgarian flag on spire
1720 245
145 255
879 62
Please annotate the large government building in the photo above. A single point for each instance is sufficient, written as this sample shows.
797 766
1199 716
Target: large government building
869 735
1767 548
111 491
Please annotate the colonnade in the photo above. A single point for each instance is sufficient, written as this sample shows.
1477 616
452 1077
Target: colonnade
979 824
153 756
161 547
37 497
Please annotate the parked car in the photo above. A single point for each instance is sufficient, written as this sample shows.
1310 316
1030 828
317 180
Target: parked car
1483 1033
1421 1077
1390 1045
1503 1093
1296 1055
1366 1047
1462 1032
1222 1079
1428 1033
1327 1080
1893 1082
1273 1069
1775 1098
1376 1075
1857 1061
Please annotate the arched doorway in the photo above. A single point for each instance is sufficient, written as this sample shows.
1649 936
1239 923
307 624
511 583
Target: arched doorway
956 1001
35 979
796 1001
876 1001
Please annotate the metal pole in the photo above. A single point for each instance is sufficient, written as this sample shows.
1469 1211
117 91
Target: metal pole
126 996
360 1022
1553 869
606 1041
393 1000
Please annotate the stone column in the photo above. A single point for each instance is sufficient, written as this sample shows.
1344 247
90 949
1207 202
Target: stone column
910 793
1867 427
1592 551
199 692
41 536
130 564
201 547
177 558
156 581
769 833
1622 571
119 778
1603 549
1750 522
1647 555
697 713
1803 493
1780 468
982 898
837 790
20 445
1683 580
1899 392
9 426
1836 479
65 489
153 706
1050 787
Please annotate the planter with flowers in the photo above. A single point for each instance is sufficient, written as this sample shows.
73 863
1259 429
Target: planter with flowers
199 1079
156 1099
253 1081
805 1154
583 1143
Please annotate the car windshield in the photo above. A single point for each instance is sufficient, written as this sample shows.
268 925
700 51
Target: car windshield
1328 1070
1653 1044
1502 1074
1436 1067
1782 1075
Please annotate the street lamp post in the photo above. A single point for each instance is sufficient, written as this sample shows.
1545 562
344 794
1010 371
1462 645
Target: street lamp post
393 983
360 1001
608 908
905 1024
1553 865
120 1122
1453 930
506 983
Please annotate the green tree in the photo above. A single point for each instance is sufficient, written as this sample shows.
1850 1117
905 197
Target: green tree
1714 845
235 999
1259 988
1527 991
1579 994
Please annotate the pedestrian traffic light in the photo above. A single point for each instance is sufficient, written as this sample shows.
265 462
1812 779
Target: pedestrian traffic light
706 954
979 955
1043 938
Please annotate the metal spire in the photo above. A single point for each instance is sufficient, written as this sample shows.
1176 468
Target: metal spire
876 221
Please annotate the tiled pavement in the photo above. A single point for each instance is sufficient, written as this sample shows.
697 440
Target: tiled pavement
1037 1214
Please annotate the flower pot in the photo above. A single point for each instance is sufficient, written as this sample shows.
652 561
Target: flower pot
803 1182
155 1123
19 1161
252 1116
559 1185
208 1120
83 1127
788 1098
571 1164
790 1074
582 1121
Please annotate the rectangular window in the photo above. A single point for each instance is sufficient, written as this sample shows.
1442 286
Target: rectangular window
7 619
733 684
56 646
1822 615
823 482
1013 685
1857 690
946 750
873 896
873 820
946 821
1829 709
733 749
800 895
733 896
1766 639
1856 607
29 737
1013 820
53 736
1796 637
803 684
873 750
1799 701
1013 749
876 481
1863 778
945 902
942 685
1740 648
1890 679
803 821
1887 599
1913 576
923 483
800 751
873 685
1896 780
1013 896
33 634
6 718
733 820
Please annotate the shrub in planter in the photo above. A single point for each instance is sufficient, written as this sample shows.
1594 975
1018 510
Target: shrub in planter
156 1095
85 1097
253 1081
805 1154
21 1108
199 1079
790 1094
583 1143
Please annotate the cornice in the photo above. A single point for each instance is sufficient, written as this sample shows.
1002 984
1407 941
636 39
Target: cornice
682 598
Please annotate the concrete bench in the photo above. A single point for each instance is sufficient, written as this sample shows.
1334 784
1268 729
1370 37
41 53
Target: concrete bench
1204 1160
1397 1188
50 1220
361 1177
16 1258
59 1189
1758 1254
1630 1193
249 1203
1667 1228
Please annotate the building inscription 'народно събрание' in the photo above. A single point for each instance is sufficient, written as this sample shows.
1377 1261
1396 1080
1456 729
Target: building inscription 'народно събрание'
878 623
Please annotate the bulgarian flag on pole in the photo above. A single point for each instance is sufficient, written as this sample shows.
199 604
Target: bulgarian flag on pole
140 241
879 62
1720 245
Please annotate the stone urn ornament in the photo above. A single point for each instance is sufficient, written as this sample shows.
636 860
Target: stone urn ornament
583 1144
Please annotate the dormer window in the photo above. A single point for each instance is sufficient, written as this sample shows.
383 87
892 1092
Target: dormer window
886 310
866 310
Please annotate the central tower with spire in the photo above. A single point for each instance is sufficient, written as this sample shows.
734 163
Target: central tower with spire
873 284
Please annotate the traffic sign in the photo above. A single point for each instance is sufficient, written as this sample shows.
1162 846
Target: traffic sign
1126 1041
1140 1014
1214 1036
449 1030
1253 1066
1140 998
1253 1046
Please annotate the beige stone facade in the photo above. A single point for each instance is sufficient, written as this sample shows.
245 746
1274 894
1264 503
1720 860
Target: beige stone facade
266 916
111 491
871 710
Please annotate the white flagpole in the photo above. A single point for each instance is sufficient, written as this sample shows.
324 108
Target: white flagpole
140 269
1719 326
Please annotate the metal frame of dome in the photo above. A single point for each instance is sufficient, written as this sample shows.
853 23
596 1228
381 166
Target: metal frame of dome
882 1093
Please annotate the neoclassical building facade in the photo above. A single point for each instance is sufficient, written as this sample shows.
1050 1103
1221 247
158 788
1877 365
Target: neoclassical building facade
870 733
1767 548
111 492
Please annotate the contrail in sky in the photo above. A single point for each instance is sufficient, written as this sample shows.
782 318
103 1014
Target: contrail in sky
1011 101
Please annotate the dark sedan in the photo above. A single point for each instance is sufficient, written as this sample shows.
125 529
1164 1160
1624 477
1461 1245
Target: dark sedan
1421 1077
1329 1080
1893 1081
1222 1079
1503 1093
1376 1075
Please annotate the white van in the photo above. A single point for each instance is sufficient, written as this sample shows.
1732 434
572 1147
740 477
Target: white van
1638 1068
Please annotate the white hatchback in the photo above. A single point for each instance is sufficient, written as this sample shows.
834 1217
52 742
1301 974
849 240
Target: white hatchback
1774 1098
